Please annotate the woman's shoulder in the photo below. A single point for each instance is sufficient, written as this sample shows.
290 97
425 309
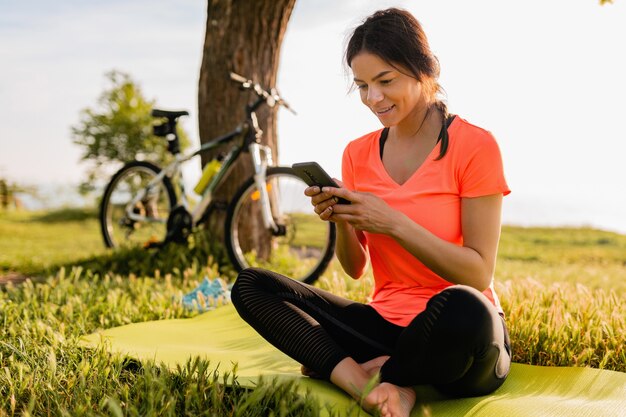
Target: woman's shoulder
472 146
466 139
469 132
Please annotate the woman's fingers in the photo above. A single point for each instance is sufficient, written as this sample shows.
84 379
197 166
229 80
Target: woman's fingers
317 196
325 202
341 192
326 213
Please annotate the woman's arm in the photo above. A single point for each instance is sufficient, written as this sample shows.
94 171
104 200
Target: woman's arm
472 264
349 251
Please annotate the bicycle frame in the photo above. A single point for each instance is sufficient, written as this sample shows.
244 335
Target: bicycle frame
261 156
266 221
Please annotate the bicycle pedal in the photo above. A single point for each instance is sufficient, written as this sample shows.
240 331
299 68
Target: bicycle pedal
282 230
179 224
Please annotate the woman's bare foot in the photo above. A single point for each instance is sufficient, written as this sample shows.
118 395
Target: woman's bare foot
391 400
372 367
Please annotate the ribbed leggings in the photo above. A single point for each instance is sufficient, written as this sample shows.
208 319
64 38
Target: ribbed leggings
459 344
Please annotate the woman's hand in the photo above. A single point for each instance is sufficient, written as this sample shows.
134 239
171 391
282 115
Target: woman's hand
366 212
322 202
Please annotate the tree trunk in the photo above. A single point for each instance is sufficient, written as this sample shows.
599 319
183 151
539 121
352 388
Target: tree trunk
243 36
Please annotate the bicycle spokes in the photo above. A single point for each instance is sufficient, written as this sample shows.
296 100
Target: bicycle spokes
300 243
134 212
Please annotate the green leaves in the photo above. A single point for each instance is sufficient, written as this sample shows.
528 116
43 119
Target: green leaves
118 129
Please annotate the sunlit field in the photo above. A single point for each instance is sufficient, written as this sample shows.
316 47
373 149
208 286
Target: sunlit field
563 292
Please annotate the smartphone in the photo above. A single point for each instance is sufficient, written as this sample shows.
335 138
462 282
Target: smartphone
313 174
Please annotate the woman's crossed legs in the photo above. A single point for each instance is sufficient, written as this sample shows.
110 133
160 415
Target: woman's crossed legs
459 343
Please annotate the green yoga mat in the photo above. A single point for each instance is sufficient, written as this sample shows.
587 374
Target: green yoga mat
224 338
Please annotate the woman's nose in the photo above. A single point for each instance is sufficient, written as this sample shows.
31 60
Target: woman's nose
374 95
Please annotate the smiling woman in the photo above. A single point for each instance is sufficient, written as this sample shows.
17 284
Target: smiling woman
426 196
390 93
399 100
397 77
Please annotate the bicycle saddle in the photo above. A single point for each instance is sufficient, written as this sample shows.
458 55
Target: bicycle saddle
169 114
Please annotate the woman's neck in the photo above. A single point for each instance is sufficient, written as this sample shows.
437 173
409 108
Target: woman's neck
418 125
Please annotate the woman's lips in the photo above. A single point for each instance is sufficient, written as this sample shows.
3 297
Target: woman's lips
384 111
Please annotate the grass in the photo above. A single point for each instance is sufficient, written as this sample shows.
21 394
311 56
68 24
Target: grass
594 258
562 290
38 244
309 232
34 242
46 372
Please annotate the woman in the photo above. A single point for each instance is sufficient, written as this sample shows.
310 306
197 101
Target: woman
426 195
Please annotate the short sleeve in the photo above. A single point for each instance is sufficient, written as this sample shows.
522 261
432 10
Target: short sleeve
482 172
347 169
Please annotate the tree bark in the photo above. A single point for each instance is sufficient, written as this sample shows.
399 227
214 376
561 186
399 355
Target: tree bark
243 36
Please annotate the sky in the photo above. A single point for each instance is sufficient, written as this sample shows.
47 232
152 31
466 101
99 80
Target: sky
545 77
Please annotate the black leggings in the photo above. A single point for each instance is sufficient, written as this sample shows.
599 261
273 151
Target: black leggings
459 343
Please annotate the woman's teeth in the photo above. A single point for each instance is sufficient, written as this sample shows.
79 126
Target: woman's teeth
385 110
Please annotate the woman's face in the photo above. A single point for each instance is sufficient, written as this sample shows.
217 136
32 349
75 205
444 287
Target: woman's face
390 94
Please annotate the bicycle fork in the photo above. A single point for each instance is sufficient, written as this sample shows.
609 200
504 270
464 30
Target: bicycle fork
261 158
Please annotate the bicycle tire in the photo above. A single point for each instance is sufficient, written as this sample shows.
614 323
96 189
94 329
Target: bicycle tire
116 198
306 249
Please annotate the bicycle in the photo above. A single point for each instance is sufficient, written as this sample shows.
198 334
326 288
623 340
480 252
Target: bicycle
141 206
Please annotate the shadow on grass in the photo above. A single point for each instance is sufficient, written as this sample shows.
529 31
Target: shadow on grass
172 259
175 259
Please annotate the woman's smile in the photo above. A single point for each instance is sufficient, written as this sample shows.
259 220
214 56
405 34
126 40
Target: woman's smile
386 89
383 111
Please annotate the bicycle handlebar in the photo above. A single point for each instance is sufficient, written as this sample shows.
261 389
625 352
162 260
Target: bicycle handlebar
271 97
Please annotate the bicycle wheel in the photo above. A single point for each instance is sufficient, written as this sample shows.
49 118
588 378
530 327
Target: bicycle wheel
146 221
302 248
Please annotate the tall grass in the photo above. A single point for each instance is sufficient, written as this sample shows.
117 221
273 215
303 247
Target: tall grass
44 370
565 324
563 292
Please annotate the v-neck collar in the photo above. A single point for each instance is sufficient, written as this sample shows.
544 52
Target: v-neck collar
429 159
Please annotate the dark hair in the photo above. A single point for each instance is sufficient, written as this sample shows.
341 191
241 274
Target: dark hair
397 37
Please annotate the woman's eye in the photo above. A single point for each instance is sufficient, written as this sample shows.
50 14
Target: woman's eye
385 82
361 86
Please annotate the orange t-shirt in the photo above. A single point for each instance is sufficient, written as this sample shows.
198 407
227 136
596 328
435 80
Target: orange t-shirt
472 167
